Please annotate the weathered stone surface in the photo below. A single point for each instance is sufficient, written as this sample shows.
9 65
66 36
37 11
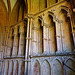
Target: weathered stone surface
37 37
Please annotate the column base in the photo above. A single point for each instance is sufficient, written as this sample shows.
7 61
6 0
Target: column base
64 52
20 55
35 54
48 53
45 53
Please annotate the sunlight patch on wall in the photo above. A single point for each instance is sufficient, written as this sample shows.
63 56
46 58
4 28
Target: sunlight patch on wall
12 2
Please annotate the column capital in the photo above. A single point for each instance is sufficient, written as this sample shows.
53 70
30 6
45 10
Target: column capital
21 30
15 30
46 25
55 19
35 28
29 16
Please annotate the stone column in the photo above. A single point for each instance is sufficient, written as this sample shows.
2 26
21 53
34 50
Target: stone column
21 49
15 50
27 48
35 41
34 48
40 41
6 64
9 48
21 41
21 67
52 39
30 40
15 43
58 37
46 23
3 67
10 71
74 39
6 68
67 38
45 39
15 67
5 40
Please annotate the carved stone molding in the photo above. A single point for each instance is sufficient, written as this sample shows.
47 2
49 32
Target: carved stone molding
69 12
29 16
46 25
35 28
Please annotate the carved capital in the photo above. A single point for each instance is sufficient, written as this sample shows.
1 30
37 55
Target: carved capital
15 31
21 30
46 25
29 16
55 19
35 28
69 12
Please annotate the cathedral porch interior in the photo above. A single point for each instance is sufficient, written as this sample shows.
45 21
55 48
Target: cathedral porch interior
37 37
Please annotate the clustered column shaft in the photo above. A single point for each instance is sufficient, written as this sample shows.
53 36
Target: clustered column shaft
58 36
21 41
9 48
15 43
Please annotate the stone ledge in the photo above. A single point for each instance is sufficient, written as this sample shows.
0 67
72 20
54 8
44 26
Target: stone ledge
53 55
14 57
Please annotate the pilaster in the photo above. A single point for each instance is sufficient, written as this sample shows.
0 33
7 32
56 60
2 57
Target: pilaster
21 40
15 43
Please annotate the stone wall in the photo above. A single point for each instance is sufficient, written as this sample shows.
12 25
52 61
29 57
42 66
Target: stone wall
43 43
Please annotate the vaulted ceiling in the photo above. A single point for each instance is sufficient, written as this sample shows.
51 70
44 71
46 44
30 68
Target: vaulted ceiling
11 11
10 2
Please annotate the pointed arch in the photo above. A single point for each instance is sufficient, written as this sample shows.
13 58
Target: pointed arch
66 27
70 58
15 13
52 32
46 69
36 68
22 10
57 68
70 67
58 59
